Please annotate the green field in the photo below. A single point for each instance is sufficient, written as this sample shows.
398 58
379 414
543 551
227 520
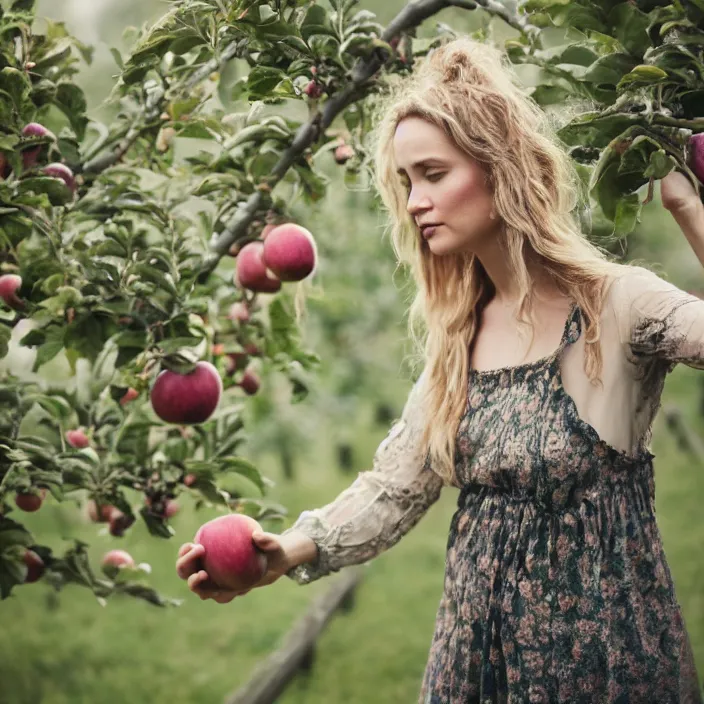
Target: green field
77 652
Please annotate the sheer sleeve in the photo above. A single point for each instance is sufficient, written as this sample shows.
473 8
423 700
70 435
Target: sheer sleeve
380 507
658 320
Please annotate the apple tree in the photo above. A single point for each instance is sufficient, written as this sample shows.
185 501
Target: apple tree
159 253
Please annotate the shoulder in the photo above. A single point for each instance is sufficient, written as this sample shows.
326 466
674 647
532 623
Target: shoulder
629 283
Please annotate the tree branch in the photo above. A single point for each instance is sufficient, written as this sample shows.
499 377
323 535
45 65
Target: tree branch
151 112
411 16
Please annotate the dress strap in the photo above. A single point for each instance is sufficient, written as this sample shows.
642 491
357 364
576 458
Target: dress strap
573 327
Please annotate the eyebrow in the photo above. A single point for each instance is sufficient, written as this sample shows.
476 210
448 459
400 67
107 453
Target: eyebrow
423 162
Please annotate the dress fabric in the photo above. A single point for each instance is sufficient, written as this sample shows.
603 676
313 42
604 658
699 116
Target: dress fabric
556 585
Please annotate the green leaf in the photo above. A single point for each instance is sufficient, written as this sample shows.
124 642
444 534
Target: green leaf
51 346
239 465
642 75
55 189
5 335
72 102
263 79
631 28
627 214
610 69
661 163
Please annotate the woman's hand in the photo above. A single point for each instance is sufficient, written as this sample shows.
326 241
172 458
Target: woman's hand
188 567
677 192
680 198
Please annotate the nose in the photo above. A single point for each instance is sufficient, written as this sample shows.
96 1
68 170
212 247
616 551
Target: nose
418 202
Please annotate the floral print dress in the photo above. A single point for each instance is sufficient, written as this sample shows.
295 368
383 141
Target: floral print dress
556 587
549 594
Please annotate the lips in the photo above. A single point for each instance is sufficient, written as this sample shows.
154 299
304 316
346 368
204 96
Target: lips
429 229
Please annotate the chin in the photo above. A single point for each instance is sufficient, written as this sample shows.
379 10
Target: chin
443 246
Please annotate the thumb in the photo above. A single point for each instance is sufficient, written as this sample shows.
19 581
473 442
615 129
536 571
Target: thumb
266 541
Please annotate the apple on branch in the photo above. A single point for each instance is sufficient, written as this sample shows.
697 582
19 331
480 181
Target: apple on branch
251 272
77 438
30 502
9 285
31 154
187 398
115 560
35 566
290 252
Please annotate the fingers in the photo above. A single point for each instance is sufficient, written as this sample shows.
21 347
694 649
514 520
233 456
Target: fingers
266 541
199 583
187 563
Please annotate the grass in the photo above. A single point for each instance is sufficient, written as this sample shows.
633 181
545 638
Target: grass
75 651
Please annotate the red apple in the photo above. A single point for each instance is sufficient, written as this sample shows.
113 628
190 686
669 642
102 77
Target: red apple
218 349
313 90
239 312
9 285
30 502
130 395
265 232
114 560
235 361
343 153
190 479
250 382
77 438
105 512
251 349
251 272
58 170
290 252
34 129
231 559
119 522
696 142
187 398
169 507
35 566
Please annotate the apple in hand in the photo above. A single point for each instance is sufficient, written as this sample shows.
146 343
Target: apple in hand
231 559
187 398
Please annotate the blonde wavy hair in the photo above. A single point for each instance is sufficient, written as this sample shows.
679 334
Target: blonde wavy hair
469 90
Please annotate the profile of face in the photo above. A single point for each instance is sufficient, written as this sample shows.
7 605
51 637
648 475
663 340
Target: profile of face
447 194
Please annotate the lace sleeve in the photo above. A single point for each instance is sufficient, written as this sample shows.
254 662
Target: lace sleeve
380 507
659 321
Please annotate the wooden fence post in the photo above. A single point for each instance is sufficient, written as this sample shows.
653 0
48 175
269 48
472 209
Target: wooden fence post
297 651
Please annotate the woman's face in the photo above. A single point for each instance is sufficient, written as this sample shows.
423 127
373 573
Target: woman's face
447 195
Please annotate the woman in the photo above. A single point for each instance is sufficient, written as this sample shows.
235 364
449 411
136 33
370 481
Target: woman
556 586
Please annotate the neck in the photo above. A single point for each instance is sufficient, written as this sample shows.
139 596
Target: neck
507 290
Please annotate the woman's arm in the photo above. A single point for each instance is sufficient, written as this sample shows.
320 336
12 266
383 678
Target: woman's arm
657 320
373 514
679 197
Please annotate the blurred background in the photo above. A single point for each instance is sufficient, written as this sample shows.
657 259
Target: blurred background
72 650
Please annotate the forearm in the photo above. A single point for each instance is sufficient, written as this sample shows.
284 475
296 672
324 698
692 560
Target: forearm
299 548
690 218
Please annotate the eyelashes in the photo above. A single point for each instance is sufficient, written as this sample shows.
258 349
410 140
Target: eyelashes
432 177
